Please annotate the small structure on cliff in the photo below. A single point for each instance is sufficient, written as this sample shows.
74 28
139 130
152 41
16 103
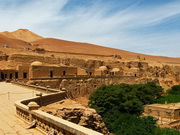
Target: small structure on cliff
115 71
168 111
102 70
38 69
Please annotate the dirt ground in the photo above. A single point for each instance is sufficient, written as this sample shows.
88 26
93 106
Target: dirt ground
66 103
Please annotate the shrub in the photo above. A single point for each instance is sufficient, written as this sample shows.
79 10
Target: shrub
121 106
124 98
175 90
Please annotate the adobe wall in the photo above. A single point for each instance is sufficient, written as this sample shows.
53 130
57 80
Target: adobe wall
52 60
79 87
167 75
28 59
7 74
3 57
51 71
20 58
23 69
165 112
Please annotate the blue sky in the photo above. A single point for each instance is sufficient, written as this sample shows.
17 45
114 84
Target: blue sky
143 26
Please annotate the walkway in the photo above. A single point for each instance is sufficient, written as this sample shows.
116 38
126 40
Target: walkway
9 123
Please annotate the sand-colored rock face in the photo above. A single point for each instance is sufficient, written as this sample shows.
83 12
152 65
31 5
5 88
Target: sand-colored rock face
26 39
85 48
22 34
87 57
11 43
165 74
76 113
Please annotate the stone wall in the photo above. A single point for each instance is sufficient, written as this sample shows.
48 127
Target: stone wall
46 122
3 57
20 58
166 74
78 87
51 71
85 117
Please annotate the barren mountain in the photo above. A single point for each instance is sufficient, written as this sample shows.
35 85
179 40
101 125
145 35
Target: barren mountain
14 43
52 44
22 34
164 70
26 39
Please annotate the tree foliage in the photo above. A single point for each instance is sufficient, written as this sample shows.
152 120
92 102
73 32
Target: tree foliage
121 106
124 98
128 124
175 90
172 95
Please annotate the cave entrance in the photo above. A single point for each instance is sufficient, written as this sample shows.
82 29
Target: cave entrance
51 74
64 72
10 76
16 75
24 75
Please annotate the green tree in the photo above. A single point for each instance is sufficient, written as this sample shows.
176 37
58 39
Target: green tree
124 97
172 95
175 90
121 106
127 124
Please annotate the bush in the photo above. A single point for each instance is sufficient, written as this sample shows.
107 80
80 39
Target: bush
121 106
124 98
168 99
172 95
175 90
166 131
127 124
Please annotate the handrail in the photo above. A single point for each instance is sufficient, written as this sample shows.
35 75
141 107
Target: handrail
47 122
82 77
36 87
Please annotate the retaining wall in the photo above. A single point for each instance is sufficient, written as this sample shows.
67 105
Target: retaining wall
47 122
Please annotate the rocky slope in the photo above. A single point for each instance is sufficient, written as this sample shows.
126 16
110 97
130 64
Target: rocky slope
74 112
165 74
23 37
164 70
12 43
22 34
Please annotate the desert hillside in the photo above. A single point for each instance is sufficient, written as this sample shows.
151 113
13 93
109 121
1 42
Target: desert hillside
14 43
85 48
22 34
26 39
87 57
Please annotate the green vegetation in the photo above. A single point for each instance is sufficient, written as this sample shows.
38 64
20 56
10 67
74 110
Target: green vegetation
124 98
175 90
169 99
166 131
121 107
172 95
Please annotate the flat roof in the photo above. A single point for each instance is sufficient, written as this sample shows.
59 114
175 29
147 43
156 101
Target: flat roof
166 106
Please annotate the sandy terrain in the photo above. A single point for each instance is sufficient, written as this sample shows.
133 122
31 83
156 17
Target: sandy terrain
66 103
57 45
67 46
22 34
13 42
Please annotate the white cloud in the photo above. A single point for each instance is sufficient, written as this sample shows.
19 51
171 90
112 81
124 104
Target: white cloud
92 24
29 15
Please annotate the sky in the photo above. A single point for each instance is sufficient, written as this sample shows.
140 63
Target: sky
142 26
